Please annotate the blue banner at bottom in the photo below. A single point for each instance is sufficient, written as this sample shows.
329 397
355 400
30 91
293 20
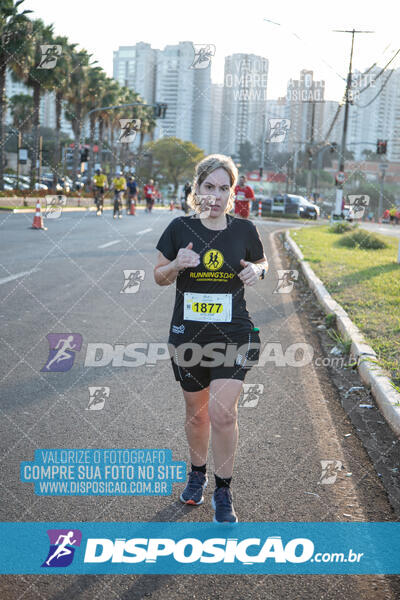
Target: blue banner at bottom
196 548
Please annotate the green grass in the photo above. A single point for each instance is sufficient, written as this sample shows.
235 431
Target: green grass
366 282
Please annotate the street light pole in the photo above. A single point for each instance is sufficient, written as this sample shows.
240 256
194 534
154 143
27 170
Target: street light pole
340 182
382 166
310 152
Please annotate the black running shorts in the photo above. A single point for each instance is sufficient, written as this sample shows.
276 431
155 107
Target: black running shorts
197 377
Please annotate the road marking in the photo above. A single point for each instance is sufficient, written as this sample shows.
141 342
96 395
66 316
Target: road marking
17 276
144 231
109 244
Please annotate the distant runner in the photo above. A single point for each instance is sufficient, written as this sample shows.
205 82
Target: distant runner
149 190
243 197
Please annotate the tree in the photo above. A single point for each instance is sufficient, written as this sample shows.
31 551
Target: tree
176 158
246 156
21 108
62 72
39 79
77 97
96 88
14 39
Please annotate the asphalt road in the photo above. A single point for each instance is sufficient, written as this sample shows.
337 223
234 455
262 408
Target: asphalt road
72 276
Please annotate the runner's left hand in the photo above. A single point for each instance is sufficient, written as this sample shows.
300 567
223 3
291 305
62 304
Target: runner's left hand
250 272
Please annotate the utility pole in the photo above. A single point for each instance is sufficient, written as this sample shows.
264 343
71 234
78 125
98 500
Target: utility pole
340 179
264 134
40 158
18 163
382 166
310 151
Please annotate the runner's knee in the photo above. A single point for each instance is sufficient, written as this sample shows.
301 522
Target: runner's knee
222 417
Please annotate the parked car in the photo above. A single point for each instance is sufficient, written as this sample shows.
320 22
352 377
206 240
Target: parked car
266 204
11 180
301 206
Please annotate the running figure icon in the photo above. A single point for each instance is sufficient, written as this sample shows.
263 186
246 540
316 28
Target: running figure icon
62 354
62 550
63 347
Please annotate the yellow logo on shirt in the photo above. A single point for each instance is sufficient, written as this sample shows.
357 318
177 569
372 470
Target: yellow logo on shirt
213 260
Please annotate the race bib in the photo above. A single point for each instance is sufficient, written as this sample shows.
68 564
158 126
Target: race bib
207 307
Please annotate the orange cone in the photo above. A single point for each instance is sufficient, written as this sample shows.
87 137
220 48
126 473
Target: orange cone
171 205
133 206
38 219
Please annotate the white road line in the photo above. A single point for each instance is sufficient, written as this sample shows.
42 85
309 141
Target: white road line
109 244
17 276
144 231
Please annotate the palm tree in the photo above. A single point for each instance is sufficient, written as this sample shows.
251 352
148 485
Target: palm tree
62 73
96 88
14 39
40 80
76 97
110 98
21 108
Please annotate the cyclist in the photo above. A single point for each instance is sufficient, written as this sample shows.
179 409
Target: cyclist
132 193
244 195
211 255
149 190
119 185
100 183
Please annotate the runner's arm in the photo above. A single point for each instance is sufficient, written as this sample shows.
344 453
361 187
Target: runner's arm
165 271
263 264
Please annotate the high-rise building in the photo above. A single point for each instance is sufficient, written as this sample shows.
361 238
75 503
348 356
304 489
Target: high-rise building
187 92
375 113
305 109
217 90
135 67
244 102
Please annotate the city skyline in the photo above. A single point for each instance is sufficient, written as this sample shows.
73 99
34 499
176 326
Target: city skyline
297 43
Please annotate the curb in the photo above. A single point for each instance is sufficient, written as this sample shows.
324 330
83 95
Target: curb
387 398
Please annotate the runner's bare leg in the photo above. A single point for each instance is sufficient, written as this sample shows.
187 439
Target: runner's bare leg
222 408
197 425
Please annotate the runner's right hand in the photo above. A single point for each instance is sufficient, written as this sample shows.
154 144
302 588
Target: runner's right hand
186 257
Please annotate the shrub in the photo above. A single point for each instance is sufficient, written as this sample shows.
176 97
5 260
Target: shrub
362 239
342 227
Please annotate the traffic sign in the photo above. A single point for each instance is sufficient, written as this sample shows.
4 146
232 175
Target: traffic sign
340 177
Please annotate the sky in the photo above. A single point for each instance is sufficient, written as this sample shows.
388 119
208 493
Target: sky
303 38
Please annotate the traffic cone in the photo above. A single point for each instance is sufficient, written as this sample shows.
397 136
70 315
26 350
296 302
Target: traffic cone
171 205
38 219
133 208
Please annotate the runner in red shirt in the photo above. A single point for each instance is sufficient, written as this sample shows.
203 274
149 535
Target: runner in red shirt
149 191
243 195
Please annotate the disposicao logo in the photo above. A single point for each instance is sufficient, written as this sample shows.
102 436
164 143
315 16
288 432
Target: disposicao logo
191 550
62 547
62 351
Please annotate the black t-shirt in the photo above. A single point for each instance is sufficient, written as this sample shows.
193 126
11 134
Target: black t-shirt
217 273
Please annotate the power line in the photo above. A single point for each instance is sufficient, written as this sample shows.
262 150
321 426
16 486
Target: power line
376 95
380 73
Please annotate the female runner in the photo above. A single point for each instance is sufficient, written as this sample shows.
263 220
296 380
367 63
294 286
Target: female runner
212 255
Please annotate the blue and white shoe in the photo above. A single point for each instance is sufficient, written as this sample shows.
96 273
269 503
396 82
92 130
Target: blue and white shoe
193 492
222 504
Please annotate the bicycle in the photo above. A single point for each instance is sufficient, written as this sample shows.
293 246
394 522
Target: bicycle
99 199
118 199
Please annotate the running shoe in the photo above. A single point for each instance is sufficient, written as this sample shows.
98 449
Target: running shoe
120 216
222 504
193 492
